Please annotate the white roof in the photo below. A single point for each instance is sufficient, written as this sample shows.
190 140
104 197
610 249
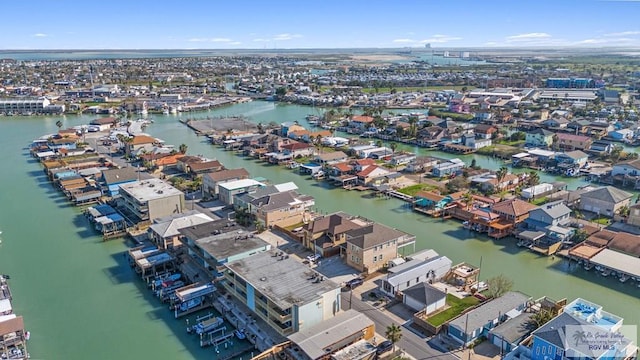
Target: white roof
5 305
520 155
617 261
239 184
149 189
540 152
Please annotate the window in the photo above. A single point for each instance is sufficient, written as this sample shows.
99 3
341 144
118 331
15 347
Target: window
375 258
380 257
408 283
418 279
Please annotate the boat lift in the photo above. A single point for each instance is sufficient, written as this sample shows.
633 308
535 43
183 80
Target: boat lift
216 338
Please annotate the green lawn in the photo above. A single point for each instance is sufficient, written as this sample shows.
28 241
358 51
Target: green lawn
414 189
602 221
539 201
456 307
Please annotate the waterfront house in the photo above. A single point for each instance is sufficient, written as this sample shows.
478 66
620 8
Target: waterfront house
626 243
139 144
57 143
598 129
325 235
570 142
413 272
424 297
483 131
297 149
556 340
325 340
360 122
165 231
211 180
556 123
420 164
432 201
475 143
287 127
606 200
551 214
620 135
282 209
370 247
103 124
330 158
370 173
574 158
196 166
228 190
539 138
430 136
600 147
512 212
448 168
150 199
109 181
299 135
578 126
402 159
627 168
281 291
468 327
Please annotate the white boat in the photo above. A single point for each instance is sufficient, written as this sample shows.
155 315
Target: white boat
623 278
605 272
240 334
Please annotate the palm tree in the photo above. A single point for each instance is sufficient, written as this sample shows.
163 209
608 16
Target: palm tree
183 148
394 334
500 175
393 147
540 318
534 178
467 198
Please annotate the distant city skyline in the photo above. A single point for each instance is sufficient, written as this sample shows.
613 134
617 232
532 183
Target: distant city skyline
288 24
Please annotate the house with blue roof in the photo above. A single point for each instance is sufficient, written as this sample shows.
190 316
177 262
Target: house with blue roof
110 180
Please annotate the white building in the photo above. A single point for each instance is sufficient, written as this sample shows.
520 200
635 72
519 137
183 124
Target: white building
151 199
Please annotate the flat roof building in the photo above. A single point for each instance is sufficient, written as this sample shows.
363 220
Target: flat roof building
151 199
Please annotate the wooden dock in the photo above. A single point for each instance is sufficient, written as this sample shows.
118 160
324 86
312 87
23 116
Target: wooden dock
399 195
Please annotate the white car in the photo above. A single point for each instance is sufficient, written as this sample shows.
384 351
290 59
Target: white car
314 257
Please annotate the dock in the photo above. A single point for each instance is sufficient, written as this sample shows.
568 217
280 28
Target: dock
399 195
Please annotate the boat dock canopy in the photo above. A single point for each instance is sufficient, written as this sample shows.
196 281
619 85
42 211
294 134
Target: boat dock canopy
192 292
154 260
142 251
618 261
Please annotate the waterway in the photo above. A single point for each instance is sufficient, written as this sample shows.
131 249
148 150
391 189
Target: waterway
80 300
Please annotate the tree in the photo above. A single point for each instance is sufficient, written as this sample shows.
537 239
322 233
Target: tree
457 184
183 148
59 124
579 236
533 179
499 285
500 175
379 143
394 334
467 198
538 319
624 210
281 91
393 146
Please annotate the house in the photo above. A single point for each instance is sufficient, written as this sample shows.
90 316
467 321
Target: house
556 123
605 200
282 209
150 199
58 143
430 136
275 282
578 126
325 234
165 231
539 138
448 168
368 174
575 158
431 200
370 247
476 323
556 339
140 144
287 127
483 131
330 158
550 214
627 168
103 124
634 215
510 333
360 122
512 212
420 164
599 147
413 272
476 143
298 149
110 180
196 165
626 243
211 180
620 135
324 340
228 190
424 297
570 142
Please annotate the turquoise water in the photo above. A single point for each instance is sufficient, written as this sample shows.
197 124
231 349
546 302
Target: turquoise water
80 299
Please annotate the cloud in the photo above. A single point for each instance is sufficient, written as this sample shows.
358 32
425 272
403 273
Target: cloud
623 33
235 43
286 36
439 39
528 37
40 35
608 41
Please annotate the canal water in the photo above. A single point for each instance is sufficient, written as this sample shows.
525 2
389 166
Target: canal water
80 299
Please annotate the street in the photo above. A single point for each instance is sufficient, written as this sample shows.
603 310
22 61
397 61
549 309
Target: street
411 343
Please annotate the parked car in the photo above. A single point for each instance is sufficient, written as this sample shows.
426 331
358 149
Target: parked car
384 346
354 283
314 257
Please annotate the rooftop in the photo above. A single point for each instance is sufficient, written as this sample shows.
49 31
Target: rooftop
171 225
239 184
488 311
150 189
228 244
282 279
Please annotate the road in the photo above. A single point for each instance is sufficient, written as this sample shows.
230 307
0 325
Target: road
411 343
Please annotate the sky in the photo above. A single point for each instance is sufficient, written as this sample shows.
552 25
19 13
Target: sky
287 24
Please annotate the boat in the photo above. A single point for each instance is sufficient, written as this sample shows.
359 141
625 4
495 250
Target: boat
167 277
605 272
588 266
208 325
187 305
318 175
623 278
240 334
